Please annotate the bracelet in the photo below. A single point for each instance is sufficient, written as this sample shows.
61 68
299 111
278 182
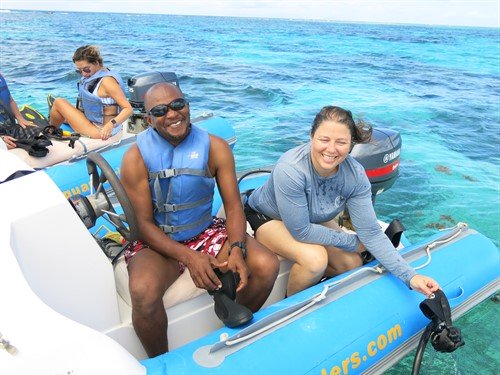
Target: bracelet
241 245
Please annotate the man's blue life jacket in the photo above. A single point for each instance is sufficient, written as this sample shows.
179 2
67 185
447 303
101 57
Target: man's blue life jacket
180 182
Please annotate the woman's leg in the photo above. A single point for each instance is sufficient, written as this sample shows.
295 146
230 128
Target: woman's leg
310 261
340 261
64 111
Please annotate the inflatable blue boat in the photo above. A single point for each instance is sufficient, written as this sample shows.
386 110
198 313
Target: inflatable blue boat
68 307
65 290
360 322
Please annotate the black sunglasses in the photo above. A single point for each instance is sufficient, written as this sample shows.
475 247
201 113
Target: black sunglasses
85 70
161 110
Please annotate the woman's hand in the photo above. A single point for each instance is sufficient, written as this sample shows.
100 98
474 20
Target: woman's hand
106 130
424 284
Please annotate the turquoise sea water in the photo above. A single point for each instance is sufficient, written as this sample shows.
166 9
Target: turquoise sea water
439 86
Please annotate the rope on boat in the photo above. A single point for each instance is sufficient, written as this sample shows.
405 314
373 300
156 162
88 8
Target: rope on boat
321 296
459 227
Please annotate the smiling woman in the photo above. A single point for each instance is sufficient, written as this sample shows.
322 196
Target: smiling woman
102 106
309 187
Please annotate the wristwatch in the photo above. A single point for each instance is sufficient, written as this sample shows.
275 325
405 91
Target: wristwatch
113 121
241 245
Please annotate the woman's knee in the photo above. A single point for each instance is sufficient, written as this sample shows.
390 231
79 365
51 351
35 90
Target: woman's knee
313 259
60 103
346 263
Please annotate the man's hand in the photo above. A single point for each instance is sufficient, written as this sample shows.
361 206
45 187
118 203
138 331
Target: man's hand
23 123
9 141
236 263
201 267
424 284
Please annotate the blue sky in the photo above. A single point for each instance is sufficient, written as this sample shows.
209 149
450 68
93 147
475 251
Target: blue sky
434 12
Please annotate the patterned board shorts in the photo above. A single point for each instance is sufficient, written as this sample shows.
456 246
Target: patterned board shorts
210 241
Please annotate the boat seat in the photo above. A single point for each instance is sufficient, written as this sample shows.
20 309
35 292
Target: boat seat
60 150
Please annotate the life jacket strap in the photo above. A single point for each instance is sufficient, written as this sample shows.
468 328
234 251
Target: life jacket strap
179 207
167 229
172 172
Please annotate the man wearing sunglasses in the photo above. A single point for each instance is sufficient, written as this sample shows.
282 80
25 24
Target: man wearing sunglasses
170 176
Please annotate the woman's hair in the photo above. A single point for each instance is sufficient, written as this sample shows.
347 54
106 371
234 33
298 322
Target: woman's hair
361 132
89 53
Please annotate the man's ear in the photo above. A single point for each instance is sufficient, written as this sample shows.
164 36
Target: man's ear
149 119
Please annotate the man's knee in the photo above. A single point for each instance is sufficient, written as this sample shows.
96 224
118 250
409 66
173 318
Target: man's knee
265 264
145 292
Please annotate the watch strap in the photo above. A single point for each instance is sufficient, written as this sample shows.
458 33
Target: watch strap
241 245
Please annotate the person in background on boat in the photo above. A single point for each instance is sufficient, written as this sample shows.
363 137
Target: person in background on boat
9 114
293 213
174 214
102 104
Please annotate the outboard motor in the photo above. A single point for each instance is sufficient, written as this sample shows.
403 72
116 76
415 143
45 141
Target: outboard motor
137 87
380 158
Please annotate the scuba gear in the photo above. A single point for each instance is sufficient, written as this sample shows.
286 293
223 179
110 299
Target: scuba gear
36 147
50 102
394 231
10 127
231 313
31 114
61 135
444 337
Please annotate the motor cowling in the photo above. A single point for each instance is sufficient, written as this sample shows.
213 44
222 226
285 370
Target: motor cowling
380 158
140 84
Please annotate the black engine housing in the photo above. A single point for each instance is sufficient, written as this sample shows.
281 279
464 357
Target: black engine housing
380 158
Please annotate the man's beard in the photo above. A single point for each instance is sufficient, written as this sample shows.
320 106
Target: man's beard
176 139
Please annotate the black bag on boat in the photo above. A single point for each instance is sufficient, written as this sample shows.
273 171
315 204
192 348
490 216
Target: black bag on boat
9 126
36 147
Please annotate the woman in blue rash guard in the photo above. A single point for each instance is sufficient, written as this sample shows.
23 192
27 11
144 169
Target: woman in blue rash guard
293 212
103 106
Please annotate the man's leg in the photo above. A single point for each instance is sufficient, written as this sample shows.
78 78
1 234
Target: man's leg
150 275
264 268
